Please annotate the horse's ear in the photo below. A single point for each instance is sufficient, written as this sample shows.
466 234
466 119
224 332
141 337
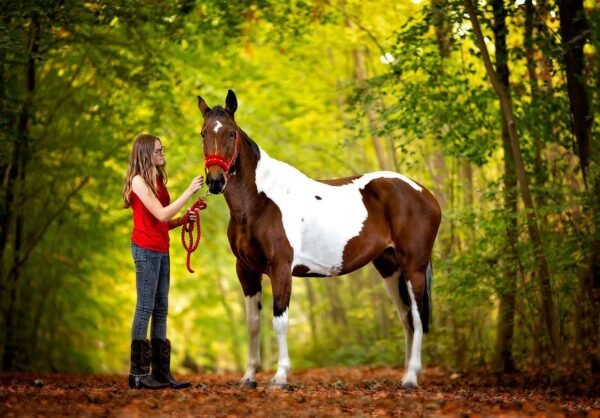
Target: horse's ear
203 106
231 102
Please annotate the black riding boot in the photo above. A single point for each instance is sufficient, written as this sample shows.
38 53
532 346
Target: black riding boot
161 364
139 374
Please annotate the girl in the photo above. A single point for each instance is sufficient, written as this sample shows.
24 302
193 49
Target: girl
146 193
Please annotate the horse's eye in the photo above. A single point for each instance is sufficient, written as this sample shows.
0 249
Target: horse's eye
232 134
203 134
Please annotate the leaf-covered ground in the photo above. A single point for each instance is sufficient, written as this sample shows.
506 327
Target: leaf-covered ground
317 392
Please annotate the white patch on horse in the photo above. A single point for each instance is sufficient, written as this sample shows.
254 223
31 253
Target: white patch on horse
218 125
280 326
414 365
319 219
253 321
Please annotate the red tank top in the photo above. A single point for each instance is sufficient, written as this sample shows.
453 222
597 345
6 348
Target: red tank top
149 232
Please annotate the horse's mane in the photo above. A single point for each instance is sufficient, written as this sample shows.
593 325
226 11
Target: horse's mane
253 145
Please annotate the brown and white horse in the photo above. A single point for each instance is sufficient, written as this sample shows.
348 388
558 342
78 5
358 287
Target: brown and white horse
283 224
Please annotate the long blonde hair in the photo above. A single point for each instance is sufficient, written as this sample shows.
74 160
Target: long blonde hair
140 162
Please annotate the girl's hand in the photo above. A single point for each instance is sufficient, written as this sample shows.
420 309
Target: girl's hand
196 184
191 215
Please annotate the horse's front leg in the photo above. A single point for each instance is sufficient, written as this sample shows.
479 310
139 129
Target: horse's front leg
251 284
281 283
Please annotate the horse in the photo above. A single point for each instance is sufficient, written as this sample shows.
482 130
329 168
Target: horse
283 224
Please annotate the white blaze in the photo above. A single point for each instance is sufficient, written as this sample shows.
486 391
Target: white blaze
218 125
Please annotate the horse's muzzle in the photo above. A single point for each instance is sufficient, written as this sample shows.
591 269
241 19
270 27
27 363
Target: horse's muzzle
216 183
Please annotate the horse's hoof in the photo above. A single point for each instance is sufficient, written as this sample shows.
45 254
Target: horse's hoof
409 386
278 386
249 384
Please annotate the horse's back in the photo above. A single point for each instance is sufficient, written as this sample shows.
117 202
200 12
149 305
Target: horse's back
393 190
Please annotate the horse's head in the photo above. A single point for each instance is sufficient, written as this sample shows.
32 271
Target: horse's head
220 136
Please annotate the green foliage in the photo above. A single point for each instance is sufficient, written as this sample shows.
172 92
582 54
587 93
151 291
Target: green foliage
106 71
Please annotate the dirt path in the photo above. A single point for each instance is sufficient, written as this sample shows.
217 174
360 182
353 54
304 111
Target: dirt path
318 392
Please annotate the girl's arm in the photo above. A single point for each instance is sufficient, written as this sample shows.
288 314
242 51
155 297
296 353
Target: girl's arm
151 202
175 222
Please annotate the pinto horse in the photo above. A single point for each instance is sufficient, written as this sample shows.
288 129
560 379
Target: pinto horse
283 224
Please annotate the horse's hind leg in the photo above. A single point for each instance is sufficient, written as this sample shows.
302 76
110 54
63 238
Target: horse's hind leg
251 284
388 267
392 285
419 306
416 290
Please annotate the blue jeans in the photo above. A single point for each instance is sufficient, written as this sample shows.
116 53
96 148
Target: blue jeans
152 277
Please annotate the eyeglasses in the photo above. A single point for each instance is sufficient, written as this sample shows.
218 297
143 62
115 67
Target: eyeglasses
160 151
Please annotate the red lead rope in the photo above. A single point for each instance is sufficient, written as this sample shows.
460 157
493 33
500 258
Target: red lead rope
188 227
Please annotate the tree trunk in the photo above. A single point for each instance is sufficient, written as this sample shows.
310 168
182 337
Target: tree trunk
311 315
439 172
336 306
441 26
503 359
537 116
360 74
442 29
16 179
467 178
543 272
232 325
573 30
6 135
38 313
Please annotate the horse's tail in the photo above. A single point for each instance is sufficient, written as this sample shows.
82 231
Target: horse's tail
426 312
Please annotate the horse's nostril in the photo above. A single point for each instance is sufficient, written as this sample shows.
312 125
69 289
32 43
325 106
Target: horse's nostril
216 184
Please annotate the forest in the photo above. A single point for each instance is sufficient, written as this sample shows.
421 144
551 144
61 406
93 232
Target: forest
489 104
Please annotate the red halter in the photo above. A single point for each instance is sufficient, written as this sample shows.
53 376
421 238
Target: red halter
221 161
